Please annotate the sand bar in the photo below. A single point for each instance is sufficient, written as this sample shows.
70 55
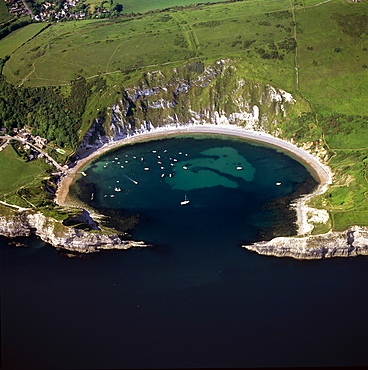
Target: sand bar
321 172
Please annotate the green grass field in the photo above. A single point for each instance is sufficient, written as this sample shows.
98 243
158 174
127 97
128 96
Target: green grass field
87 48
142 6
17 174
332 63
19 37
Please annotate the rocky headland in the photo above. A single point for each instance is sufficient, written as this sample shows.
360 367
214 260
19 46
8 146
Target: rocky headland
350 243
27 223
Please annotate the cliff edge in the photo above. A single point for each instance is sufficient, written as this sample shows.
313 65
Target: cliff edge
350 243
55 233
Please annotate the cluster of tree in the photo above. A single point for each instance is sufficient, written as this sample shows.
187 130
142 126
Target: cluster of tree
35 6
287 45
352 24
8 27
209 24
283 14
45 110
181 41
2 62
273 54
341 123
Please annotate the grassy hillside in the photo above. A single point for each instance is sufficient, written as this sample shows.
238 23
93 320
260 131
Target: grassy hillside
19 37
331 49
22 186
318 51
87 48
142 6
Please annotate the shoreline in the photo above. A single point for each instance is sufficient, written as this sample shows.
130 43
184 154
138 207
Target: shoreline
318 170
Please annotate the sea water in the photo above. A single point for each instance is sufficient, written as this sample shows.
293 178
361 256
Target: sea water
195 298
232 187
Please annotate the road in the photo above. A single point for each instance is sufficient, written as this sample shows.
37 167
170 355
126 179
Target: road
28 9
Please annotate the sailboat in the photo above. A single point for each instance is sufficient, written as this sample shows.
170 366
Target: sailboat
185 201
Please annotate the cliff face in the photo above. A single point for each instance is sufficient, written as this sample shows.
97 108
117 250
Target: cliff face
353 242
193 94
60 236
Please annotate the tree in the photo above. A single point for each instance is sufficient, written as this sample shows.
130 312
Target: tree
117 8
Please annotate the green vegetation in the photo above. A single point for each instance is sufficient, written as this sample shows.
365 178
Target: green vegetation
60 78
14 24
331 56
20 37
4 14
44 110
143 6
24 186
125 44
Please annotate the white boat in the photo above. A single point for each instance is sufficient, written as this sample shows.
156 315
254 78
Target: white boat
117 189
185 201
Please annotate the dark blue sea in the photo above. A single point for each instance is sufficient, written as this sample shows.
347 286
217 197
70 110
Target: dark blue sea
195 298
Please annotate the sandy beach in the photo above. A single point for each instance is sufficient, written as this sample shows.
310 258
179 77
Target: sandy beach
320 172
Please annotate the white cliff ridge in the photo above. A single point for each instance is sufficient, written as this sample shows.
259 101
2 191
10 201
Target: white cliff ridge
53 232
353 242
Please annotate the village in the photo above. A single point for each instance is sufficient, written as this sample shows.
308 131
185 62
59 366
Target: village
55 12
16 7
32 146
58 10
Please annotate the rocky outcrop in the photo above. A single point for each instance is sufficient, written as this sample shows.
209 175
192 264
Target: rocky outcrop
215 94
60 236
353 242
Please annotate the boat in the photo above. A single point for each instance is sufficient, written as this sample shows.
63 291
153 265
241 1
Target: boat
133 181
117 189
185 201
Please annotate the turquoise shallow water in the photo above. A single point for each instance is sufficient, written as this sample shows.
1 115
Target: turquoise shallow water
196 299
